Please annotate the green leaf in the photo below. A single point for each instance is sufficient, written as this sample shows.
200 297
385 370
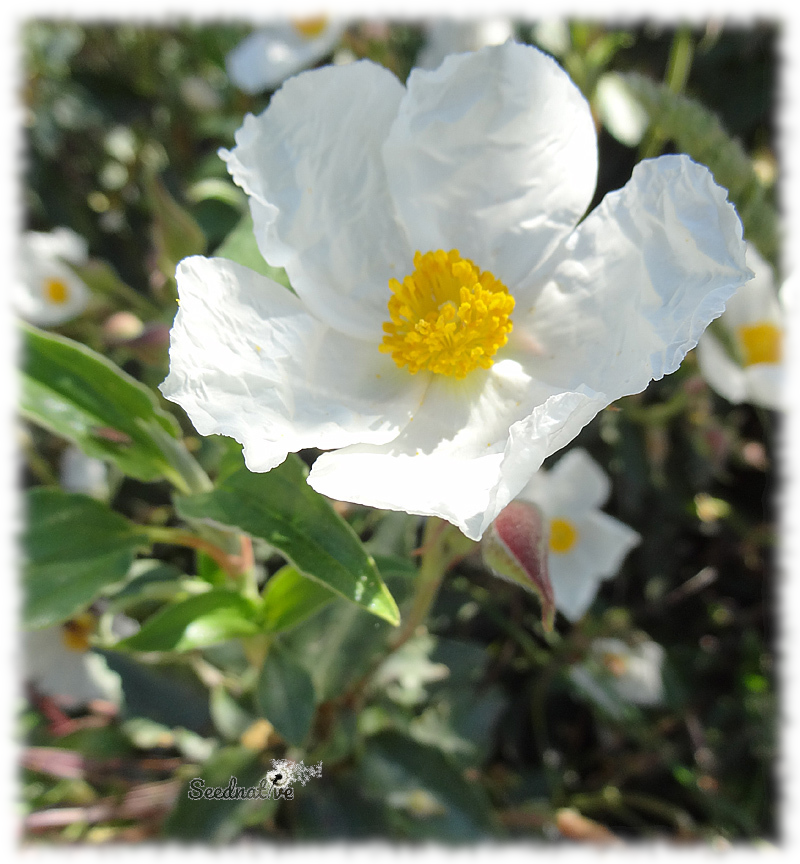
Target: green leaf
282 509
699 133
218 820
285 695
432 787
176 234
208 618
76 548
240 246
82 396
290 598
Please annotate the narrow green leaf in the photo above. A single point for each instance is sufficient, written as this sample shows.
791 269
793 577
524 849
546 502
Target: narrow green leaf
240 246
82 396
75 548
699 133
290 598
282 509
285 695
208 618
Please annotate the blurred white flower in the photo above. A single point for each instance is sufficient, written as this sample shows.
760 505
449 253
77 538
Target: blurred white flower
451 326
269 56
81 473
750 368
586 545
58 662
616 672
47 292
454 36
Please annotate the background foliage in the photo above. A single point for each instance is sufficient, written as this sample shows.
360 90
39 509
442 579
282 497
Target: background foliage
256 641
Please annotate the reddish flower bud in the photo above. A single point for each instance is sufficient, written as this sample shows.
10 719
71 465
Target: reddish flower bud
515 548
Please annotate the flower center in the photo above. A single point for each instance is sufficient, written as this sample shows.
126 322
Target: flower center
447 317
761 343
615 664
310 28
75 633
563 535
56 291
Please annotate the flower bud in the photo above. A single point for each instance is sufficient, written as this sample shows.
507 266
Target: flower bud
515 548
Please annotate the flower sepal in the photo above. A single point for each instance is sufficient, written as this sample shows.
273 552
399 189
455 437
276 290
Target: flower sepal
515 548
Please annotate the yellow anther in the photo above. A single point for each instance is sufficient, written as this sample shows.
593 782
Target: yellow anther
761 342
75 633
616 664
56 291
310 28
563 536
447 317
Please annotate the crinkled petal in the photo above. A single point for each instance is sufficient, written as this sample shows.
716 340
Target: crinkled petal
248 361
267 57
448 461
636 284
493 154
320 203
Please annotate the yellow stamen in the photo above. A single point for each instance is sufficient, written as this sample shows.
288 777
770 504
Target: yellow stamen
761 342
310 28
563 536
447 317
75 633
615 664
56 291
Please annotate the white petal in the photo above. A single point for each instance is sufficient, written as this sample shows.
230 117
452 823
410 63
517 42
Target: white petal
248 361
452 36
311 165
449 460
637 283
574 589
575 485
41 259
765 385
493 154
267 57
80 677
720 371
604 543
757 299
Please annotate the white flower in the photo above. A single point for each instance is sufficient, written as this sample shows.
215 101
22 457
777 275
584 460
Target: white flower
267 57
754 323
454 36
586 545
631 673
58 662
47 292
395 349
81 473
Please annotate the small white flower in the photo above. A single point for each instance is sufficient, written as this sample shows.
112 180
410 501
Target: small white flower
454 36
58 662
451 326
81 473
586 545
269 56
631 673
753 370
47 292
